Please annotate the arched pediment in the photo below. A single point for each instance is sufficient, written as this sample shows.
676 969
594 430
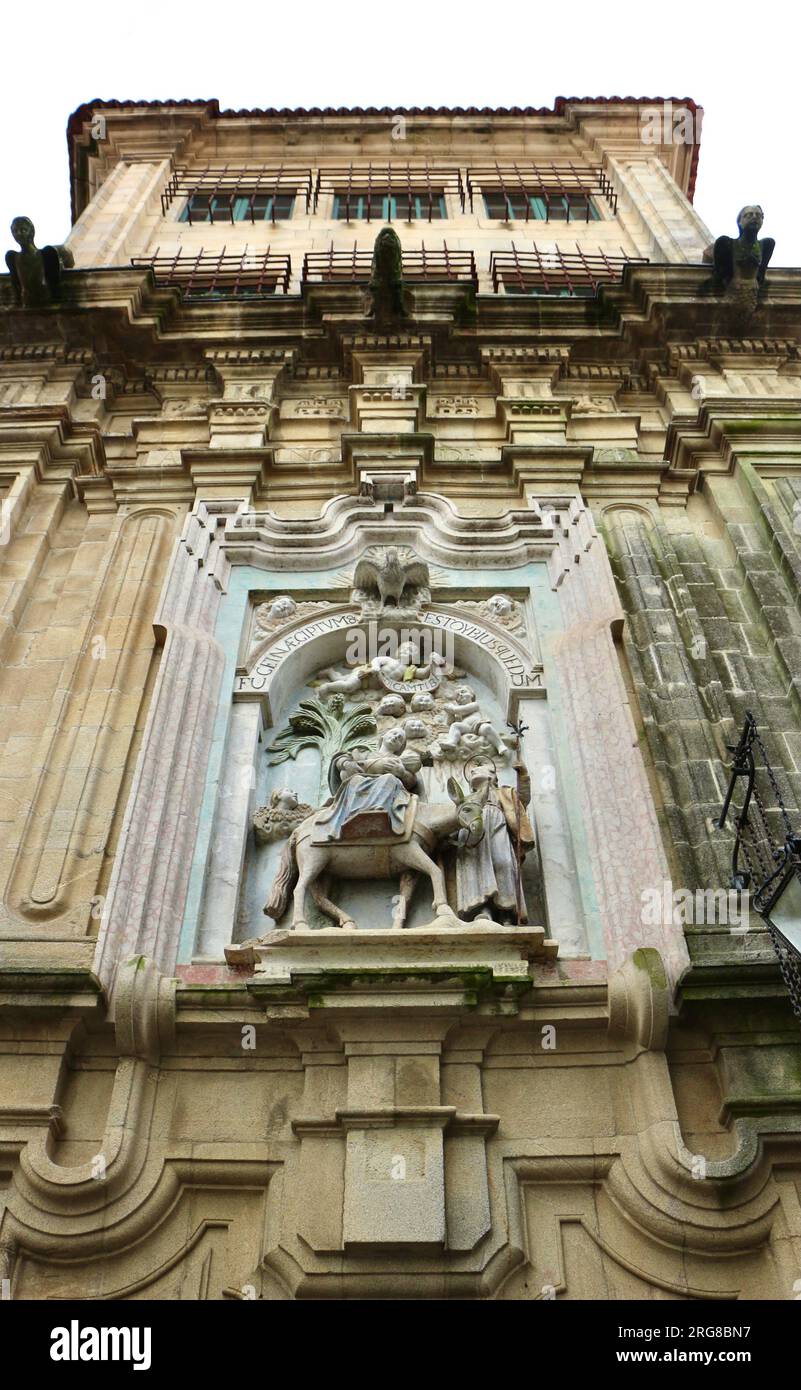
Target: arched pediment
293 653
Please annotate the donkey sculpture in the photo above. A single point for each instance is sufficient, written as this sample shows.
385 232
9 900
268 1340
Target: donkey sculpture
307 861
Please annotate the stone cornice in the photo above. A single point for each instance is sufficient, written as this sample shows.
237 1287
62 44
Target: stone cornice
57 445
139 320
724 428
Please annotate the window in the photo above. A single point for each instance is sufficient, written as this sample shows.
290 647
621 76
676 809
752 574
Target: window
542 206
555 292
389 207
197 290
238 207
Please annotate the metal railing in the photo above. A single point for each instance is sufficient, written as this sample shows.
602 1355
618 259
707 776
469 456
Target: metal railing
217 275
556 272
422 263
549 182
227 183
768 836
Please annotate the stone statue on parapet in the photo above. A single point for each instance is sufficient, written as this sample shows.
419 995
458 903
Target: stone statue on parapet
741 262
36 272
386 278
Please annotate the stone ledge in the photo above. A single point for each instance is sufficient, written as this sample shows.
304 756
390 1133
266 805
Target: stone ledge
61 988
465 943
433 967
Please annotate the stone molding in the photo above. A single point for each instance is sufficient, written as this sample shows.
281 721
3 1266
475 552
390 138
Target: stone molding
146 896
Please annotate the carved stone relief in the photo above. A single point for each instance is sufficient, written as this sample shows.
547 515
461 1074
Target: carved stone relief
416 778
456 405
330 407
499 609
593 405
270 617
390 577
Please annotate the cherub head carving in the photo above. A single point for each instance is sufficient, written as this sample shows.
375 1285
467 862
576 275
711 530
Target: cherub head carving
390 705
282 607
408 654
284 798
394 739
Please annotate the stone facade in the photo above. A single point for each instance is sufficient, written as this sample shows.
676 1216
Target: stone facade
247 537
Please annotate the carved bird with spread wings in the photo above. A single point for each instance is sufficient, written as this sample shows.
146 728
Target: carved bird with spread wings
390 578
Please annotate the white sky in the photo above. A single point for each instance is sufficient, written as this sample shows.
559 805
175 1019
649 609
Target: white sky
739 61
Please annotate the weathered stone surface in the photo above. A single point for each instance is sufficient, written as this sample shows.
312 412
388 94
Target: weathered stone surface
593 506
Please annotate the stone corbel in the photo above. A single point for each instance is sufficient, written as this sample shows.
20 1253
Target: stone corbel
403 1162
393 406
389 484
639 1001
386 1204
374 359
240 424
45 375
144 1018
524 371
144 1010
243 415
411 1176
531 421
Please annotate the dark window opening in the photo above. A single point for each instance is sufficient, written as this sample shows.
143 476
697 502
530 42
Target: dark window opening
541 207
238 207
388 207
551 292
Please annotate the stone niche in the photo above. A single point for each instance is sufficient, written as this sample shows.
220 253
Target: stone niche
320 679
259 617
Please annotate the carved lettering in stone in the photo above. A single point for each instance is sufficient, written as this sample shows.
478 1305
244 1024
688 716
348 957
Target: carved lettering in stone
475 453
269 661
304 455
519 672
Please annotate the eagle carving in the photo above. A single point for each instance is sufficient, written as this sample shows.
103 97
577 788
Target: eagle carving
391 577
